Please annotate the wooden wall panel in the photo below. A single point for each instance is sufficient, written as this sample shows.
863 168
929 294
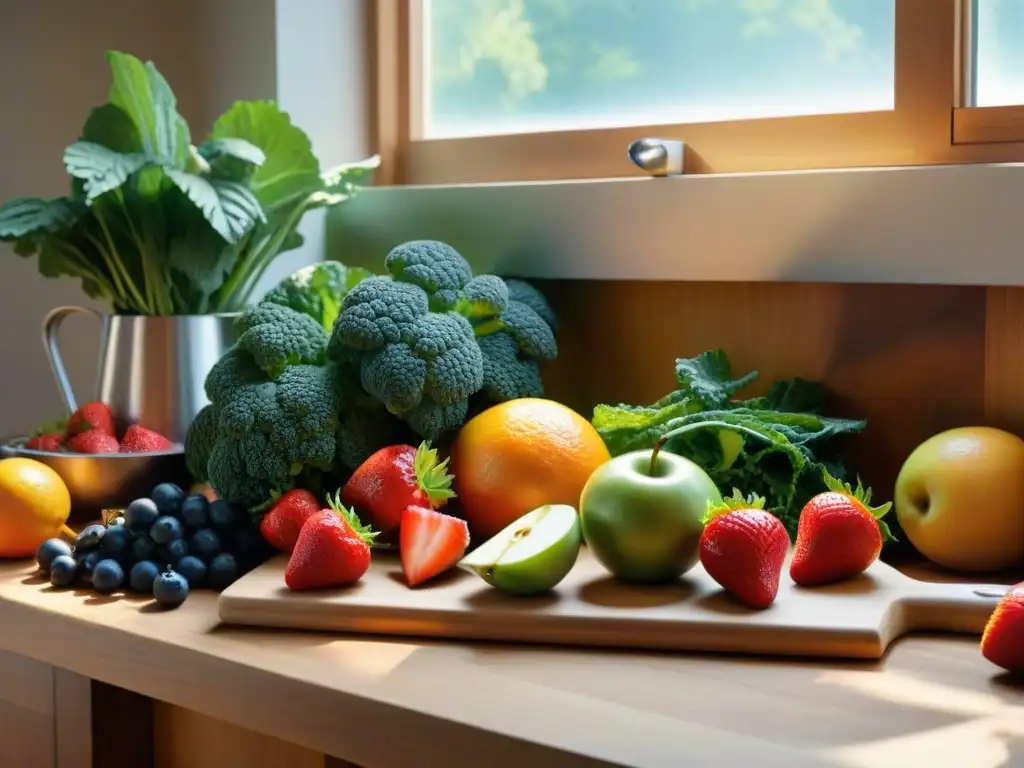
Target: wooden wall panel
909 358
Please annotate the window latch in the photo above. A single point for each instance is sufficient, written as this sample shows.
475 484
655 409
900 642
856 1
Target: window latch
659 157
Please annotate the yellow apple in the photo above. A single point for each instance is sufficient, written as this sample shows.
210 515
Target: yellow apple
960 499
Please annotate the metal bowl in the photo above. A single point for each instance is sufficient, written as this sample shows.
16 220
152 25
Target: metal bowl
107 480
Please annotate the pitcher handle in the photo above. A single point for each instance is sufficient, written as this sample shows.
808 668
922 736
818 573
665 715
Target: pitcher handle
51 329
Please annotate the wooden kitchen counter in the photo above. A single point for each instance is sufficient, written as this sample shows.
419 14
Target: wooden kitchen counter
375 702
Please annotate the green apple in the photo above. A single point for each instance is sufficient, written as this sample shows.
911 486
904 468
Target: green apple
530 555
643 522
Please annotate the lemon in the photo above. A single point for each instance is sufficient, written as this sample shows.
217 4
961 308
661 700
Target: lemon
34 506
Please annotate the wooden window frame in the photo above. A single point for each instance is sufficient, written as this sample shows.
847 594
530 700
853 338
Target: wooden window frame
928 125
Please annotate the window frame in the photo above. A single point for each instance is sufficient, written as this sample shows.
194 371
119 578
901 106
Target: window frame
929 124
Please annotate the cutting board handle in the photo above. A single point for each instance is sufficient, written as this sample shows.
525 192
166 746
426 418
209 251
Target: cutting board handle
941 607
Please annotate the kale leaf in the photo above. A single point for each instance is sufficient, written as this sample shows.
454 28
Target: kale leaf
776 445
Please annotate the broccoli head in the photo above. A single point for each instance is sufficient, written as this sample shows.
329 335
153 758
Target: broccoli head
431 336
436 267
409 354
513 352
317 290
261 434
277 337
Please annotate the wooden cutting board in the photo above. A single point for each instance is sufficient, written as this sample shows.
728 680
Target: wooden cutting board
856 619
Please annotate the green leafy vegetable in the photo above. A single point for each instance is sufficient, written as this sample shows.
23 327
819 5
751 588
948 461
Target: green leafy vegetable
155 225
777 446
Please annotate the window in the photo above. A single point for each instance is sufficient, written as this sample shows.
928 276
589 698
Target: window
514 90
494 66
998 50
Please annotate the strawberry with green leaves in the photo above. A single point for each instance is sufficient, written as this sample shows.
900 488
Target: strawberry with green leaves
332 550
743 548
1003 640
839 534
394 478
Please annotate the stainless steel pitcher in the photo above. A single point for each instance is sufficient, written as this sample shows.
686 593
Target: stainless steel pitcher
151 369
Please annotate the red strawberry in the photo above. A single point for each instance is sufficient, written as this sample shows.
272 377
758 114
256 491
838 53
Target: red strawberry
430 543
281 524
139 439
394 478
839 534
332 550
743 548
1003 640
91 416
93 441
47 442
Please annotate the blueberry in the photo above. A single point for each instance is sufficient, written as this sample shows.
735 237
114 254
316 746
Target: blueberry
195 510
116 542
143 548
141 514
171 552
50 549
90 538
170 589
168 498
63 570
223 515
223 571
115 521
194 571
87 562
107 576
205 544
165 529
142 575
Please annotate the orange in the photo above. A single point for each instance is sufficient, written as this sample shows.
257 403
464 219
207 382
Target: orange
520 455
34 506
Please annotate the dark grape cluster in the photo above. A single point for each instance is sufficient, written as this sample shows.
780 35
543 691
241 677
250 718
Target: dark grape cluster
164 545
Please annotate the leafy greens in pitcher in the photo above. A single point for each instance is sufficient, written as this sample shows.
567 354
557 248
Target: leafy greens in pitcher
156 224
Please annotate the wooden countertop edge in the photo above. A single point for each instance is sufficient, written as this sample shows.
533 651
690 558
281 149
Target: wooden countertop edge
262 695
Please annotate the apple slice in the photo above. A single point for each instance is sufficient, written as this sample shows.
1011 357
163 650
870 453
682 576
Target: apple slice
532 554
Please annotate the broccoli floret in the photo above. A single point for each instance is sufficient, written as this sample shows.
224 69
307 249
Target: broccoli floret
534 336
377 312
484 296
512 354
431 420
507 375
229 478
318 290
269 433
524 293
407 352
277 337
435 267
199 442
234 369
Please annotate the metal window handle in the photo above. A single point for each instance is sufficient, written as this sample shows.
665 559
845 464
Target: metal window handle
659 157
51 329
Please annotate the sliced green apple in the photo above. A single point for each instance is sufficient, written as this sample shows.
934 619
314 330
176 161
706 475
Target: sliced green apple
532 554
